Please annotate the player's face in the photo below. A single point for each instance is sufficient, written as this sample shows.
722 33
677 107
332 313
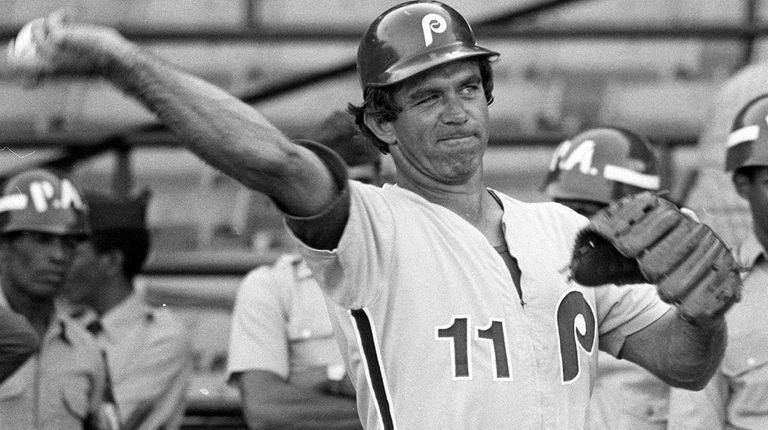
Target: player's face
85 275
35 264
441 133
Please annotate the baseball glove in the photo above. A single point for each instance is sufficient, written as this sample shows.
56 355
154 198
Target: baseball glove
646 239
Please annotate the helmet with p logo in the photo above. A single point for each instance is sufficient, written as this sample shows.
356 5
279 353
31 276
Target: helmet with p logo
411 38
596 164
38 200
748 141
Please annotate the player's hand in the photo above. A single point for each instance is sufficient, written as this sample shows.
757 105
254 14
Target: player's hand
58 46
644 238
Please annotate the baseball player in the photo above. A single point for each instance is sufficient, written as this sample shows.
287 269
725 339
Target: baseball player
736 396
282 352
42 219
587 172
148 349
452 303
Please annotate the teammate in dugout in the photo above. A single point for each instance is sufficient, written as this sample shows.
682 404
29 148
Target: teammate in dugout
148 349
450 301
737 395
586 173
282 352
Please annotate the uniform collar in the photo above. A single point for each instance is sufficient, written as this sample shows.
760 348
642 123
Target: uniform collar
749 251
117 317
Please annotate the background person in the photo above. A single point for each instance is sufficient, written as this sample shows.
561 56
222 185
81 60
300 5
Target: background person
586 173
148 349
737 395
43 218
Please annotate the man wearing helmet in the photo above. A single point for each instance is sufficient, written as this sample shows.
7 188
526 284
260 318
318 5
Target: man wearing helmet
735 397
447 298
586 173
42 219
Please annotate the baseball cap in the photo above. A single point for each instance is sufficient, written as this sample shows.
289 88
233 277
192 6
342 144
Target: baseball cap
109 213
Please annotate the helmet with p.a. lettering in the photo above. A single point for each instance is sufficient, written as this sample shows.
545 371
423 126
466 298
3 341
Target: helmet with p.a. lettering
411 38
600 165
41 201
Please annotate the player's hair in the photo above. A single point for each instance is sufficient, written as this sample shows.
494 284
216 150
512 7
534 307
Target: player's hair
120 225
748 171
379 103
132 243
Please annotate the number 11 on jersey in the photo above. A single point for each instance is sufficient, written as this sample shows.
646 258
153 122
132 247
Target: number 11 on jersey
458 332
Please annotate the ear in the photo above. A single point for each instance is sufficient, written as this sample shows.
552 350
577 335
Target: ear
384 130
743 185
114 262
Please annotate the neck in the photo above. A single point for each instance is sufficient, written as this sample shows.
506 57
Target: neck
470 201
38 311
113 293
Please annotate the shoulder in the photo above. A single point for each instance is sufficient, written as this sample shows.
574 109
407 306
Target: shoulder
166 327
279 277
543 211
16 330
286 267
387 194
75 338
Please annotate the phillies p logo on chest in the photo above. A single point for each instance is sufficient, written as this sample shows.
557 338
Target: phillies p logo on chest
576 327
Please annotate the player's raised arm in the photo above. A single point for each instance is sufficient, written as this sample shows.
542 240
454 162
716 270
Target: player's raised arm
219 128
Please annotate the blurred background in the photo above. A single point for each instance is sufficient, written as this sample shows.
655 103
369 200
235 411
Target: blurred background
654 66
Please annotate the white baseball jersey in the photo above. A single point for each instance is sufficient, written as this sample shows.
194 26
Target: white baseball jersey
433 329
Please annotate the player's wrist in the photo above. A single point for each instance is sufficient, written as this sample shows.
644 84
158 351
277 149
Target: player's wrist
704 323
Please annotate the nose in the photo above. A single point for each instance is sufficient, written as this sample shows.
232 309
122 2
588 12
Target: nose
455 111
60 249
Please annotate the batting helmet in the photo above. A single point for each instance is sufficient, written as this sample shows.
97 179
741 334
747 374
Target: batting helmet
411 38
595 164
748 141
38 200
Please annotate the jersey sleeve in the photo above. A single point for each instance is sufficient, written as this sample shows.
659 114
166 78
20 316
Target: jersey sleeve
323 230
355 272
258 337
623 310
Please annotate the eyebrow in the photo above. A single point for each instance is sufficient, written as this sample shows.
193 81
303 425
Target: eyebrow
428 90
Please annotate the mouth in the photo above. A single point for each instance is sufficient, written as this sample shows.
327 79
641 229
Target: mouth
52 277
457 139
